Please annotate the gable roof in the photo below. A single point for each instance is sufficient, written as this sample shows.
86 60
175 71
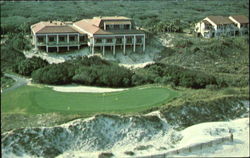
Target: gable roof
88 26
220 20
206 22
53 27
242 19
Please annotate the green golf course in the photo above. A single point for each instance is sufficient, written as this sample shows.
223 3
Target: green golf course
34 100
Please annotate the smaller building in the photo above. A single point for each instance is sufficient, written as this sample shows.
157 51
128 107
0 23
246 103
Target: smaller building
241 22
214 26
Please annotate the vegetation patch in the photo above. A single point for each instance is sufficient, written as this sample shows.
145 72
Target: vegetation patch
218 109
6 82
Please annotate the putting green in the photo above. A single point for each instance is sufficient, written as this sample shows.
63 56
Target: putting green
34 100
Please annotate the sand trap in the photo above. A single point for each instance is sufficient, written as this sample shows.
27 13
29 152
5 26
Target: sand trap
87 89
139 65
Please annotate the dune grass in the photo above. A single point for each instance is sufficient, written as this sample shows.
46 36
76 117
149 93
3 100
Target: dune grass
34 100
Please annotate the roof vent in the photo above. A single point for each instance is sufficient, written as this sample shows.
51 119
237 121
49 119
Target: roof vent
50 21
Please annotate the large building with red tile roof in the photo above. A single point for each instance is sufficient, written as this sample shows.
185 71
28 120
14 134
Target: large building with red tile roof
214 26
98 33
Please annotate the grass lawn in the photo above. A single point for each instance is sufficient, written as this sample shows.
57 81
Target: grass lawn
34 100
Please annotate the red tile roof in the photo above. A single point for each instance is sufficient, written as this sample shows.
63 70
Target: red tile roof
53 27
90 26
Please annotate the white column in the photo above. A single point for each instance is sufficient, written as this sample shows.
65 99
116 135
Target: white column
130 26
47 49
124 44
134 42
57 41
114 50
46 39
143 43
35 41
68 41
103 50
93 46
104 26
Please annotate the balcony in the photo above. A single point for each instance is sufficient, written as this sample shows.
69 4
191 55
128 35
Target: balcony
54 43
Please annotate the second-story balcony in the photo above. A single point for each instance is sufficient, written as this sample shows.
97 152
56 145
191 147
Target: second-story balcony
60 43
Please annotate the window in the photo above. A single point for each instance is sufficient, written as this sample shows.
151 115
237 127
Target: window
72 38
118 40
139 39
109 40
98 40
126 26
82 38
110 26
62 39
40 39
107 27
129 40
51 39
117 27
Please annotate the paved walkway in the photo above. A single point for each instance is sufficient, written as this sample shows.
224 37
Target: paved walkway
20 81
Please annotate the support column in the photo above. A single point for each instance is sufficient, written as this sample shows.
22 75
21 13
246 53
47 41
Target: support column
57 41
47 49
35 41
114 50
46 39
134 43
93 46
124 45
68 41
143 43
103 50
104 26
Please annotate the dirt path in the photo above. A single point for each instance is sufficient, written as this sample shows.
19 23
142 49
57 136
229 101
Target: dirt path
20 81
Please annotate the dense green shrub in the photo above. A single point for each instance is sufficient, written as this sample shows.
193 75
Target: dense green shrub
112 76
179 76
212 87
54 74
10 57
27 66
87 71
183 43
165 26
18 41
